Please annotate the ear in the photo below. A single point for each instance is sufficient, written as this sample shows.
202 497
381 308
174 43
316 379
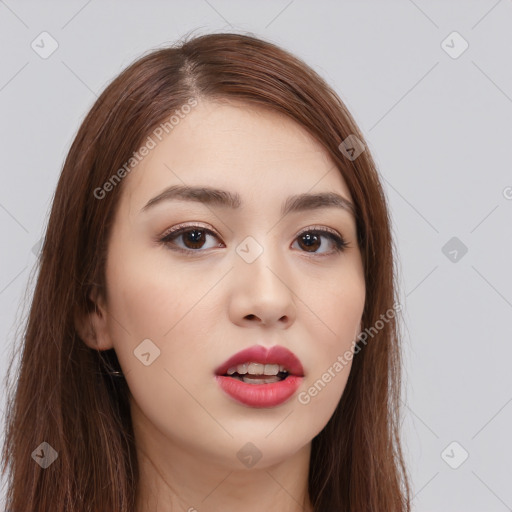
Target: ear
92 327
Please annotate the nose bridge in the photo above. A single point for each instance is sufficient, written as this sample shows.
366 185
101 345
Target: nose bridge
262 281
260 260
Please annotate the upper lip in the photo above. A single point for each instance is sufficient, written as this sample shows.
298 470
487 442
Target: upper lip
259 354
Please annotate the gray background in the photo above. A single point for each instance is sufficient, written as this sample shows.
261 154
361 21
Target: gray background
439 129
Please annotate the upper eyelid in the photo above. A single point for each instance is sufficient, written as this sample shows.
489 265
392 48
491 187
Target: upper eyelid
320 228
180 227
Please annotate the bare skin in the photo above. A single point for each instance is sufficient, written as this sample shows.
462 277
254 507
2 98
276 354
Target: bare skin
200 308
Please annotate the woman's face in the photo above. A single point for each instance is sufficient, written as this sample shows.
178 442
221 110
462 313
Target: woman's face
178 306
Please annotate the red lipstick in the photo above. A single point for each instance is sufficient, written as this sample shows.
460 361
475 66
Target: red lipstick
254 393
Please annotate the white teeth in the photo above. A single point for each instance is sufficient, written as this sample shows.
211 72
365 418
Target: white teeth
271 369
256 369
241 369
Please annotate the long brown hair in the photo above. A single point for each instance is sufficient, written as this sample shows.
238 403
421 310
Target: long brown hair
63 395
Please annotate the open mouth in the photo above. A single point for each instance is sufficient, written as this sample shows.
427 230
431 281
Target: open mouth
261 377
256 373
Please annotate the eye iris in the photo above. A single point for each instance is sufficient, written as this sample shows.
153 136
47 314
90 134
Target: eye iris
311 240
195 236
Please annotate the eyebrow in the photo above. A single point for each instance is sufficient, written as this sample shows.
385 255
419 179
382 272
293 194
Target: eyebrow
218 197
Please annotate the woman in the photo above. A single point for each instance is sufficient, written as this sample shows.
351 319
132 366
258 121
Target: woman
213 325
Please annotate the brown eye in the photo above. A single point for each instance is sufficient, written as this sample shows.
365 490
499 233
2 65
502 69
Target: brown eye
311 241
193 238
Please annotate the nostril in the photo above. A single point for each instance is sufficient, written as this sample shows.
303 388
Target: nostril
250 317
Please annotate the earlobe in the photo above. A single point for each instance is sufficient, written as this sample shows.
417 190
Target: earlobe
92 326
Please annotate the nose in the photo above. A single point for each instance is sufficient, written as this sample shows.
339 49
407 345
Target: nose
262 294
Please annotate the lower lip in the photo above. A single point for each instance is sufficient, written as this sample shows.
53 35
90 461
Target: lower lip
260 395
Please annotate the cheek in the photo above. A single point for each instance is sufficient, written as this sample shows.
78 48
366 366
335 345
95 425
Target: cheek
162 321
160 342
150 300
338 307
335 311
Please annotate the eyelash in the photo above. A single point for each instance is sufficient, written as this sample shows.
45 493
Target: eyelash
339 242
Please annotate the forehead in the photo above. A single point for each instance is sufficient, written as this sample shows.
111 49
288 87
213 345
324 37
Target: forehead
234 146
